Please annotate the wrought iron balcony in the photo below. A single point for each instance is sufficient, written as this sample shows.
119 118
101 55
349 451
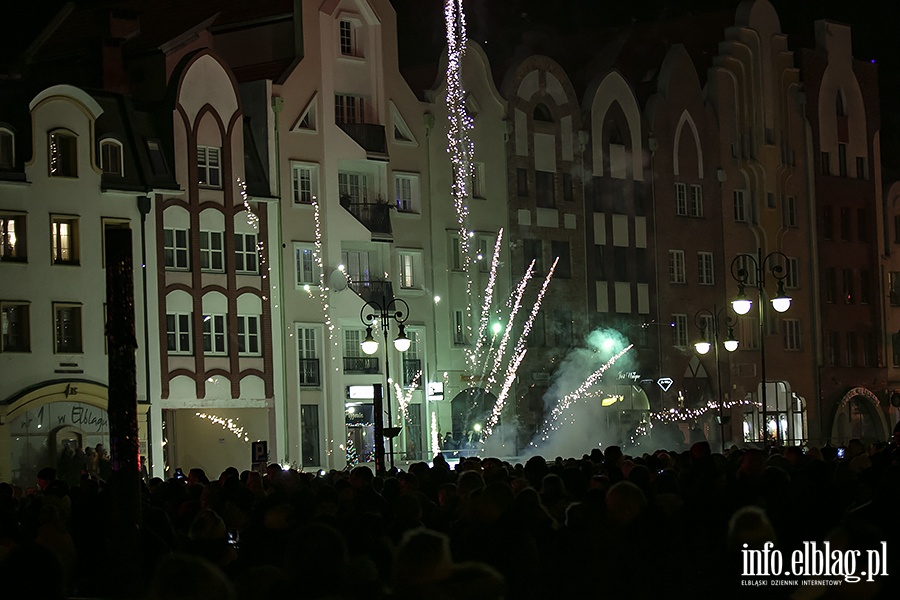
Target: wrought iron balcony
361 364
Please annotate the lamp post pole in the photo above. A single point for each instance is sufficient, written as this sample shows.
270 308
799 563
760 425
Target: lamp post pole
397 310
742 305
702 347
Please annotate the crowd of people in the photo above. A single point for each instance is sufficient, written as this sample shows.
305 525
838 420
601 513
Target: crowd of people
605 525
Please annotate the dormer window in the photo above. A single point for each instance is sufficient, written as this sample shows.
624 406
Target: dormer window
349 38
63 154
111 158
7 152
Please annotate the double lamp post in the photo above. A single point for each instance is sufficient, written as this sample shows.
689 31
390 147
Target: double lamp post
393 309
749 272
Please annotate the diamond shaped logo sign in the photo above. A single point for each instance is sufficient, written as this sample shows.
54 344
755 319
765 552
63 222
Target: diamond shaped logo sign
665 383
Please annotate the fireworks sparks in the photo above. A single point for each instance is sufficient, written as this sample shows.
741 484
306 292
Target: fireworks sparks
555 420
226 424
405 396
435 435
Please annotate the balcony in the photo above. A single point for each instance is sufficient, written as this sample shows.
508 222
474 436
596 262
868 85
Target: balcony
360 365
309 373
374 290
369 136
375 216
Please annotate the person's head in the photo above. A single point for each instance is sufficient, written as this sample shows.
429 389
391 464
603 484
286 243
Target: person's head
45 477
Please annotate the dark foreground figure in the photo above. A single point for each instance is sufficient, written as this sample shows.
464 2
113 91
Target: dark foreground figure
661 525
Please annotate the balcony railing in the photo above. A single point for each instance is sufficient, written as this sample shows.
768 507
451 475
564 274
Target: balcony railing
369 136
411 368
375 216
309 372
374 290
361 364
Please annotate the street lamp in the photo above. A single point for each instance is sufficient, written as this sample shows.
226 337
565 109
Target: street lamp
740 271
710 318
397 310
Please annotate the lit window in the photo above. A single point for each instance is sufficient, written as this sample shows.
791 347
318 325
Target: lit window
111 158
67 319
7 149
178 333
209 166
248 335
12 237
246 259
64 238
175 244
305 183
305 265
16 333
308 375
406 188
411 274
356 263
214 334
353 187
63 154
212 251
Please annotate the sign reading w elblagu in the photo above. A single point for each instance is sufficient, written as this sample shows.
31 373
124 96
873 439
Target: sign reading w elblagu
816 564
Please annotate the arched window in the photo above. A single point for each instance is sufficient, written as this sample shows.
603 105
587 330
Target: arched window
111 158
542 113
839 108
7 149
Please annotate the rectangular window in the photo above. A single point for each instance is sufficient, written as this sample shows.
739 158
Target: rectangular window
544 187
178 333
869 350
862 225
851 349
406 191
214 334
304 183
307 272
749 333
842 160
705 268
832 348
246 258
792 277
740 206
826 163
460 330
534 251
16 330
353 187
561 251
309 423
848 286
356 266
770 200
860 167
681 206
349 109
212 251
696 201
64 237
248 335
308 375
209 166
348 47
791 334
679 331
827 223
865 286
895 349
830 285
477 190
620 263
68 328
411 274
568 188
485 253
522 182
456 260
63 150
12 237
175 248
846 225
790 212
676 266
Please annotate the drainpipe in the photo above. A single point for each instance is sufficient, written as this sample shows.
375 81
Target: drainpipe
277 106
143 204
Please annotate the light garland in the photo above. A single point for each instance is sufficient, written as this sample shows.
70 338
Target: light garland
405 396
435 435
229 425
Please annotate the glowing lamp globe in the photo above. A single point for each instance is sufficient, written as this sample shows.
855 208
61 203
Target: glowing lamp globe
369 345
731 345
702 347
742 305
781 303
